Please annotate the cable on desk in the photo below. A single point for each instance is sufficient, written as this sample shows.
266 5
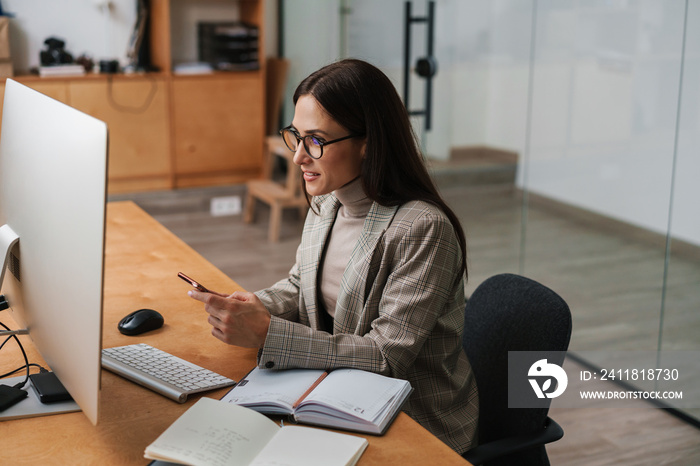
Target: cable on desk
21 368
26 359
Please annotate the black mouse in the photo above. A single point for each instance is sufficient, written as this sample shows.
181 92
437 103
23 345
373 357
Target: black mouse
140 321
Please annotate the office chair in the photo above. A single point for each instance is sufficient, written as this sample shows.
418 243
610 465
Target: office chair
511 313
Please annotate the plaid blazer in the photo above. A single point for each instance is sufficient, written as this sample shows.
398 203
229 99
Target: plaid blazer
400 312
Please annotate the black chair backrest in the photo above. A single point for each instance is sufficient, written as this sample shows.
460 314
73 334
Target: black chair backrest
509 312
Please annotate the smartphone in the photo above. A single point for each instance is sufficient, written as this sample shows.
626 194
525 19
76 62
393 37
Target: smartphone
194 283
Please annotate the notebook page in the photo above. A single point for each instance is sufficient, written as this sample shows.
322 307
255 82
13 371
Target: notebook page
212 433
362 394
263 386
306 446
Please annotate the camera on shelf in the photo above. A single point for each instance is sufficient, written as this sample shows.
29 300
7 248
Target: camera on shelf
55 53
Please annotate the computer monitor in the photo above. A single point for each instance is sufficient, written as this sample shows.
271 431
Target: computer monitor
53 165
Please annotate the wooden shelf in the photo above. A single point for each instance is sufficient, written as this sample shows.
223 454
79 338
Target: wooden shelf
218 74
32 78
171 130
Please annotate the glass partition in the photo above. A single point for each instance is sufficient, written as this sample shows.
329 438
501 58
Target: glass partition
612 220
599 100
680 315
601 152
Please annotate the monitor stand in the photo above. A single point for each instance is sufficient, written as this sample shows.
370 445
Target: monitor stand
8 239
31 406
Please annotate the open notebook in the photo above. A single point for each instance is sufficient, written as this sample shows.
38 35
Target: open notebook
348 399
213 432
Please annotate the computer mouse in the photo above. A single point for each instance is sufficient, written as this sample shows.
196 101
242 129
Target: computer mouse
138 322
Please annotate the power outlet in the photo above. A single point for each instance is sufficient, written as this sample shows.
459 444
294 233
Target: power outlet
227 205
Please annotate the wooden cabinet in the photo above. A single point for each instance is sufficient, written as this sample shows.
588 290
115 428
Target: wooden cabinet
168 131
218 129
136 111
218 120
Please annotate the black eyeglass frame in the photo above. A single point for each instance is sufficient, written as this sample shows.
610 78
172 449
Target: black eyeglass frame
320 142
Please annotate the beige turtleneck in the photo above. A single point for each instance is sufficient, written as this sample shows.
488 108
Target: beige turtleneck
341 241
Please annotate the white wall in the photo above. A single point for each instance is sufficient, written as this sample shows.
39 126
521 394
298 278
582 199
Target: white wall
604 110
311 40
89 28
685 220
85 26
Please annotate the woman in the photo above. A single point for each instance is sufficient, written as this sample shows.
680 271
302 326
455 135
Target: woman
378 279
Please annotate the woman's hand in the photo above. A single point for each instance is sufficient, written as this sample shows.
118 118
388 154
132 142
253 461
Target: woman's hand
238 319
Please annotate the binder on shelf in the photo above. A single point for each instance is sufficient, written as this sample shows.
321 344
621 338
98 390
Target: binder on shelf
228 46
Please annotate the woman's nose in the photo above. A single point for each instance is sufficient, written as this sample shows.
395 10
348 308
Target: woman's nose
300 156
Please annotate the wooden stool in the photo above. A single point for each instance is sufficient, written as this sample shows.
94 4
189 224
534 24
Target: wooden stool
276 195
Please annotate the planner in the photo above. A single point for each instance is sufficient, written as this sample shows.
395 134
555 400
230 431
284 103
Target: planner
348 399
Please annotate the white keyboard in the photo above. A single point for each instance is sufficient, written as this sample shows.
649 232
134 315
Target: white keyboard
161 372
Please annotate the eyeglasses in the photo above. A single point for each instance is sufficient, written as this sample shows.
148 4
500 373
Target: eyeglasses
312 144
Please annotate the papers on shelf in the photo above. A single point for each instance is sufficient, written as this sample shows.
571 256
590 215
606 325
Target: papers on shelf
61 70
193 68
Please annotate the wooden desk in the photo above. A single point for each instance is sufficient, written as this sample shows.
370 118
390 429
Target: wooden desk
142 261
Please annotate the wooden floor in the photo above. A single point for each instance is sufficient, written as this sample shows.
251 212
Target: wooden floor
612 284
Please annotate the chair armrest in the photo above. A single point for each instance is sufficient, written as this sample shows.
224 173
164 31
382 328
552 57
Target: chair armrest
551 432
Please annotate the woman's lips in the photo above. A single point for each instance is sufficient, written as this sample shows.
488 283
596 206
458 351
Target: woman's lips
310 176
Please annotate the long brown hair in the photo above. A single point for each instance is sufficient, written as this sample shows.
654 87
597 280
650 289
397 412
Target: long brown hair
361 98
